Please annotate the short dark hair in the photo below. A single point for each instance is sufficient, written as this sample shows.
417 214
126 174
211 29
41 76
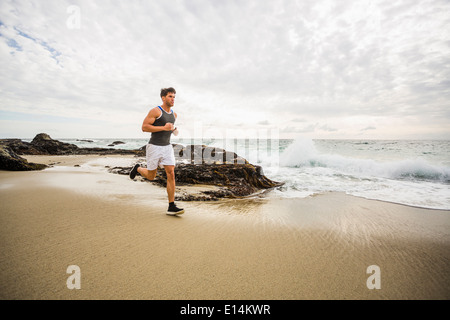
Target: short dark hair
165 91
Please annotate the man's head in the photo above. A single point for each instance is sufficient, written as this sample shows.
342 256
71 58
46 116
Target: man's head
168 96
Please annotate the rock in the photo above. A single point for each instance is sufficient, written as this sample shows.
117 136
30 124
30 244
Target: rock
236 180
43 142
21 147
115 143
9 160
201 154
107 151
85 140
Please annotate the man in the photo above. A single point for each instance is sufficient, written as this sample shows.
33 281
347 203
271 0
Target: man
159 152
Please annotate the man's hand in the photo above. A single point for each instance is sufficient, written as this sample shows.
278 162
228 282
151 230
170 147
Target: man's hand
168 126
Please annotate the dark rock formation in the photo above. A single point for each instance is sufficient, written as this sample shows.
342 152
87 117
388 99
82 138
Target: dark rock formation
115 143
20 147
235 180
201 154
49 146
11 161
238 180
43 144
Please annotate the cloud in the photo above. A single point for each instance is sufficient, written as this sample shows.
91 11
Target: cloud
326 127
298 120
280 61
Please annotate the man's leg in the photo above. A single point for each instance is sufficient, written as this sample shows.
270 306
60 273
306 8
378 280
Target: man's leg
153 157
170 172
147 174
173 209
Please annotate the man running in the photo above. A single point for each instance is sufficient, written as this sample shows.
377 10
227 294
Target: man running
159 151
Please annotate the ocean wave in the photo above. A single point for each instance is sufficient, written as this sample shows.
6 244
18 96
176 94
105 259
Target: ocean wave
302 153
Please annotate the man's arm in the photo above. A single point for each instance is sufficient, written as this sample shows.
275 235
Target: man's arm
147 125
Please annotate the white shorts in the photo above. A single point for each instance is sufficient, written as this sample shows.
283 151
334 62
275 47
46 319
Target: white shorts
159 156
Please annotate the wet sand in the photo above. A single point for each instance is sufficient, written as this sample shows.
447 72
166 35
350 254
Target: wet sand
116 231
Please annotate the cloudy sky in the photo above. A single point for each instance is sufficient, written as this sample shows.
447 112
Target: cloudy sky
308 68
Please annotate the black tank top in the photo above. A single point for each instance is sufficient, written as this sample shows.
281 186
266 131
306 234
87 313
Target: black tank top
162 138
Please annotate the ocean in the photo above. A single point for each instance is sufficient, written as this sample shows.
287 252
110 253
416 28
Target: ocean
414 173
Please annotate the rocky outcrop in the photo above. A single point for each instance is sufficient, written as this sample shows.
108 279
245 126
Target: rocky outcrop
201 154
43 144
47 145
20 147
9 160
115 143
234 180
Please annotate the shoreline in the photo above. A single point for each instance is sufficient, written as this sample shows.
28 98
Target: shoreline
116 231
78 160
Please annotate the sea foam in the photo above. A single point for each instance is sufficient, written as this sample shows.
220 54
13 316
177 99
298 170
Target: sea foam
303 153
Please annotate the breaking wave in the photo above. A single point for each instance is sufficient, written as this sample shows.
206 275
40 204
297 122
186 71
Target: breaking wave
302 153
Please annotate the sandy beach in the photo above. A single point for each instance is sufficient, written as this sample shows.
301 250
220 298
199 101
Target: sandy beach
116 231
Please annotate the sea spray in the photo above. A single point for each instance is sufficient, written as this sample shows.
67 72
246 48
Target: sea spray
303 153
410 179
